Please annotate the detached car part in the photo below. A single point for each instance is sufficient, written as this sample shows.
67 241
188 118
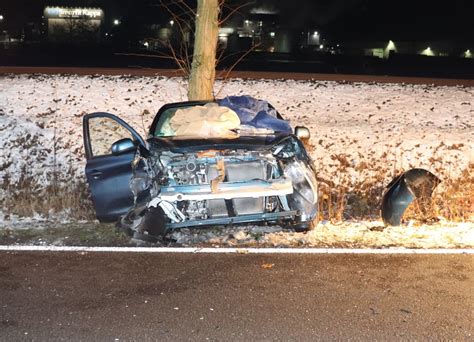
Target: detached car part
402 190
225 174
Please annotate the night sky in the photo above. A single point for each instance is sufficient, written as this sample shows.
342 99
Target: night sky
372 19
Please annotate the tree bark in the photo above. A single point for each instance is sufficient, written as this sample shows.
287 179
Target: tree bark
203 68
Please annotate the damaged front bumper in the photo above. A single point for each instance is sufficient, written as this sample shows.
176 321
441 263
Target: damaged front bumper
229 190
230 193
185 188
256 218
403 190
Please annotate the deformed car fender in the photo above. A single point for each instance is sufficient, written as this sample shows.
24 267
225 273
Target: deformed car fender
402 190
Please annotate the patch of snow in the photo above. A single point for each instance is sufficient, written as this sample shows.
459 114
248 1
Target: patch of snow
366 128
359 234
394 126
37 220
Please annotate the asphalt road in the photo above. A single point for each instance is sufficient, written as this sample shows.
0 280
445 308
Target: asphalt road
239 74
151 297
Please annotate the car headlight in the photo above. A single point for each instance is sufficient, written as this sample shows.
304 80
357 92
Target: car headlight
303 179
295 171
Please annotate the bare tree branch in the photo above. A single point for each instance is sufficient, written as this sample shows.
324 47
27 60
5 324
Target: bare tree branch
229 70
183 26
233 11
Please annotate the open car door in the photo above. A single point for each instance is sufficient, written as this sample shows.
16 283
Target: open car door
110 146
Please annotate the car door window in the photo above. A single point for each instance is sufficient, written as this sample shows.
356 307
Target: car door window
103 132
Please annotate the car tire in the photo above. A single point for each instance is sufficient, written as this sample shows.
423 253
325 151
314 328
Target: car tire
154 222
304 226
300 227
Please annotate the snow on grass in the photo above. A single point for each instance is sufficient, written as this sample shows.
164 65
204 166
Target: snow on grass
347 234
400 125
363 134
358 234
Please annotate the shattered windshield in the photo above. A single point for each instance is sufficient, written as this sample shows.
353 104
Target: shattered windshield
205 121
224 120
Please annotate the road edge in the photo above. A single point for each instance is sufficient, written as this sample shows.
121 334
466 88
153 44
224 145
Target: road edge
226 250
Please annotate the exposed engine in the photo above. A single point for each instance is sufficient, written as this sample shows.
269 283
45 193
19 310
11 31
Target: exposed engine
226 186
204 168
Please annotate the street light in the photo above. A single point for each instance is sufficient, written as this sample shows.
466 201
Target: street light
1 17
116 22
171 22
391 45
428 52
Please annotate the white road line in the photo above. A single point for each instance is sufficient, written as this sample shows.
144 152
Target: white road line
233 250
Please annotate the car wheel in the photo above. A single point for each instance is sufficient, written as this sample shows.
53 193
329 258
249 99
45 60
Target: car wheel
154 222
304 226
300 227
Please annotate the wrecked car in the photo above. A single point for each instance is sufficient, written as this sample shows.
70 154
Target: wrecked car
204 163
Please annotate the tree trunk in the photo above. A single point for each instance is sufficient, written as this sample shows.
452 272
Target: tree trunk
203 70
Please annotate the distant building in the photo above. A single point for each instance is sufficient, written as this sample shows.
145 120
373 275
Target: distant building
258 30
384 49
73 24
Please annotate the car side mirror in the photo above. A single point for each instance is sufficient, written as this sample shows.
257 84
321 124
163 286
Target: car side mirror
123 146
302 132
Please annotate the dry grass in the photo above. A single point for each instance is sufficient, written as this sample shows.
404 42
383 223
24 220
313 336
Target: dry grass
452 200
342 196
27 198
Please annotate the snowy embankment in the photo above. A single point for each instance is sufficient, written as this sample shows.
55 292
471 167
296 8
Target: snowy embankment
362 135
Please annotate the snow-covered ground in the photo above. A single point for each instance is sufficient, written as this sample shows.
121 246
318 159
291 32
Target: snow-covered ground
347 234
356 234
362 133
